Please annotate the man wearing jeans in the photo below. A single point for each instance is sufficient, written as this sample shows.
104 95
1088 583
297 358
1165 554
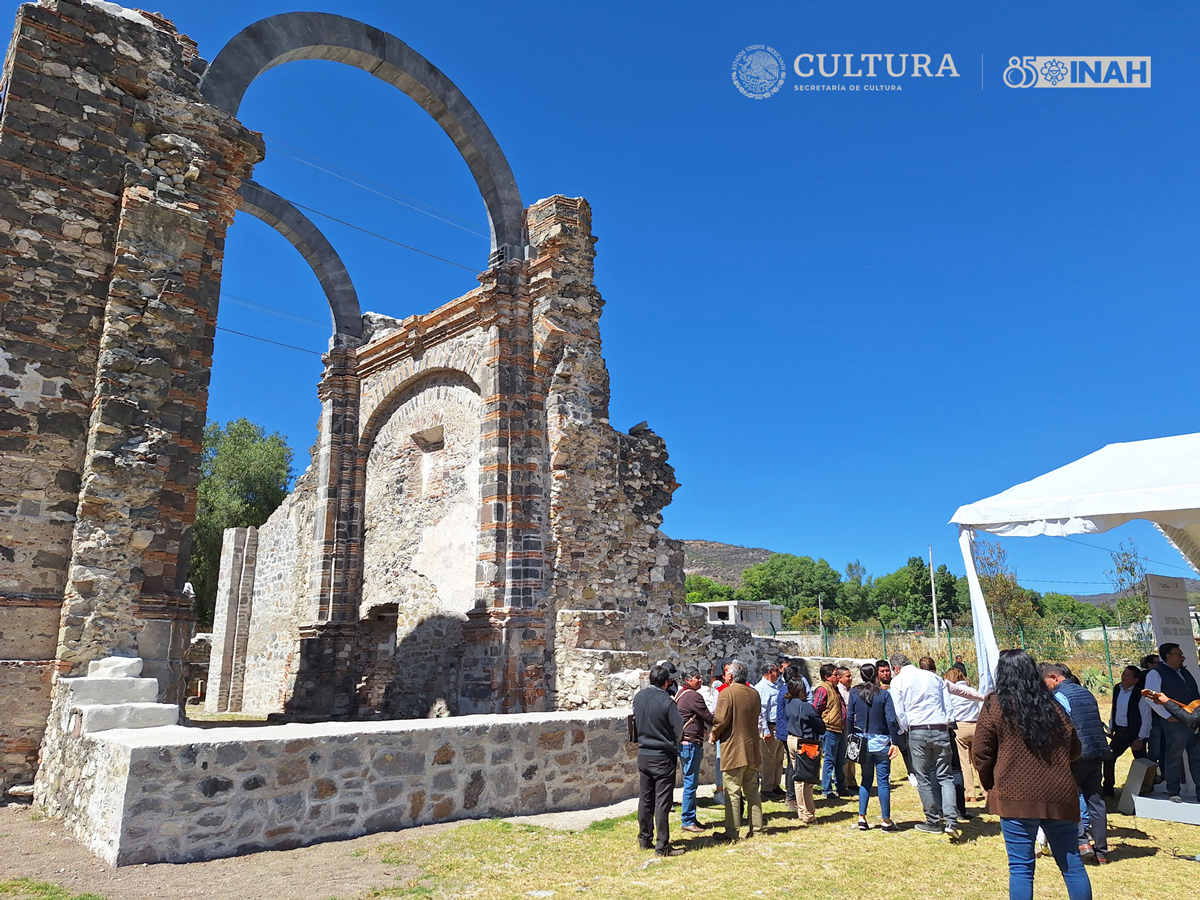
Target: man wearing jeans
696 721
827 701
921 703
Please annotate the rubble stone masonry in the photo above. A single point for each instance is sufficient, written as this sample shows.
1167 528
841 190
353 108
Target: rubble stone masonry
116 186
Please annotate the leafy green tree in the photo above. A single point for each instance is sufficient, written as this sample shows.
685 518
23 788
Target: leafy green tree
705 590
904 597
1065 610
792 581
244 476
854 594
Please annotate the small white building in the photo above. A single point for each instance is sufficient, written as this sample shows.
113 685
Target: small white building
760 616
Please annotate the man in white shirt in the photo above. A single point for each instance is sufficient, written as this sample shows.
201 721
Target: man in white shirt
772 749
921 702
1129 723
1172 678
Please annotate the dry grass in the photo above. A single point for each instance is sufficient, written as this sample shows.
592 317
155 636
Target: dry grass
829 860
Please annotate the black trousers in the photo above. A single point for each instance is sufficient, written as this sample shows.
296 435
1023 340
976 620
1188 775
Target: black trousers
657 783
1088 777
960 791
1122 739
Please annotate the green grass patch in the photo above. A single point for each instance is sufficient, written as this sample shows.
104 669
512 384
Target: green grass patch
28 889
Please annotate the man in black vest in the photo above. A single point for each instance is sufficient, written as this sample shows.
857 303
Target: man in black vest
659 730
1129 722
1081 706
1174 680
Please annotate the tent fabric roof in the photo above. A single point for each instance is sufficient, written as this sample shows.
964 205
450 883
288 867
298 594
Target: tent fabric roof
1157 479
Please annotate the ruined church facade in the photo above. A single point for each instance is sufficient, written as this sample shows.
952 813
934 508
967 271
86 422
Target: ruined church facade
499 538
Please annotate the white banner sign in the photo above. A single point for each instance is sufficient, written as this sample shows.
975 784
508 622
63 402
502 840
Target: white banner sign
1172 620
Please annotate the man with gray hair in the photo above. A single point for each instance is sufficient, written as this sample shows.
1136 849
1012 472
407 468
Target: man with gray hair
736 726
922 709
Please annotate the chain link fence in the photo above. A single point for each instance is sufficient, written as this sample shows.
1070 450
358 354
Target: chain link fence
1095 655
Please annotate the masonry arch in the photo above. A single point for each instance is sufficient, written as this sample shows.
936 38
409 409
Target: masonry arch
309 35
302 234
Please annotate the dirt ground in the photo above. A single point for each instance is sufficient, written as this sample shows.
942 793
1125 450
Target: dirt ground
41 850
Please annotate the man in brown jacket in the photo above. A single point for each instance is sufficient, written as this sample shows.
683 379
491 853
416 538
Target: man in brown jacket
736 724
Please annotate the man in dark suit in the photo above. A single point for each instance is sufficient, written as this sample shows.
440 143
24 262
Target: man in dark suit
659 730
1129 723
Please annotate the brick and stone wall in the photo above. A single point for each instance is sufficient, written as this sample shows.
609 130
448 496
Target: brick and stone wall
173 794
117 183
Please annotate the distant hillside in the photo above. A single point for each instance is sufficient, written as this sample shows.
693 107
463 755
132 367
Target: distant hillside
1191 585
721 562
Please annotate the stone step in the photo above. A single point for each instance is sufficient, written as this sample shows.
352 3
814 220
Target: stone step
106 716
95 689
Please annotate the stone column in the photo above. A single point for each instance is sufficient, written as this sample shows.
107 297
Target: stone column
326 678
504 638
231 620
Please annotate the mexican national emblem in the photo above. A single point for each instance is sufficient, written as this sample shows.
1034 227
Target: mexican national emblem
759 71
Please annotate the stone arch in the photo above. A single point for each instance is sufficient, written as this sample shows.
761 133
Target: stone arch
310 35
302 234
403 392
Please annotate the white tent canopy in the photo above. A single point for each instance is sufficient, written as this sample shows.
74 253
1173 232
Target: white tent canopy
1158 480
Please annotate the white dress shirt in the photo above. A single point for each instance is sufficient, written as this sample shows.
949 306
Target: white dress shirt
964 701
1125 696
1154 683
920 698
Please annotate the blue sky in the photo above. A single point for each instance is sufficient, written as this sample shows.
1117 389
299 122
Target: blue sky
847 313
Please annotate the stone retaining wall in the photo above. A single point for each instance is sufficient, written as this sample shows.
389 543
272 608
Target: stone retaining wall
175 794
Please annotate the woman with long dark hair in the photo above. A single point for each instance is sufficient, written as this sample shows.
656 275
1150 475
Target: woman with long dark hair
1023 747
872 715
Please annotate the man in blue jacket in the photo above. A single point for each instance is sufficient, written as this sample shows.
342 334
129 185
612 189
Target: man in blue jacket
1088 770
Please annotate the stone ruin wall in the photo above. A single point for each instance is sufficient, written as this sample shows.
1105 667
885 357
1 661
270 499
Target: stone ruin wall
117 183
180 794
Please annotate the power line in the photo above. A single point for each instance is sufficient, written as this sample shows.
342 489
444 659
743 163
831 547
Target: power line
373 191
383 237
255 337
1051 581
273 310
1157 562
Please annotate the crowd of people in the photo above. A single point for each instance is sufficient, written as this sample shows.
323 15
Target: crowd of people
1035 748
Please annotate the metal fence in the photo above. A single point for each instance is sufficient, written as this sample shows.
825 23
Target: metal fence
1095 655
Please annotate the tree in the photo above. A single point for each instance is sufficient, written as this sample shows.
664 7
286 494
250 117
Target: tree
904 597
1065 610
1011 602
705 590
792 581
854 594
1128 580
244 476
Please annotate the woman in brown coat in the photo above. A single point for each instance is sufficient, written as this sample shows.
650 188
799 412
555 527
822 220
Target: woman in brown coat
1023 747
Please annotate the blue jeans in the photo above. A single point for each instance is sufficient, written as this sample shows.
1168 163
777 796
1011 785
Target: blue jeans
833 770
875 766
689 757
1020 836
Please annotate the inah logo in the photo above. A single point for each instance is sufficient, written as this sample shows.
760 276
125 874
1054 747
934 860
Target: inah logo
1077 71
759 71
